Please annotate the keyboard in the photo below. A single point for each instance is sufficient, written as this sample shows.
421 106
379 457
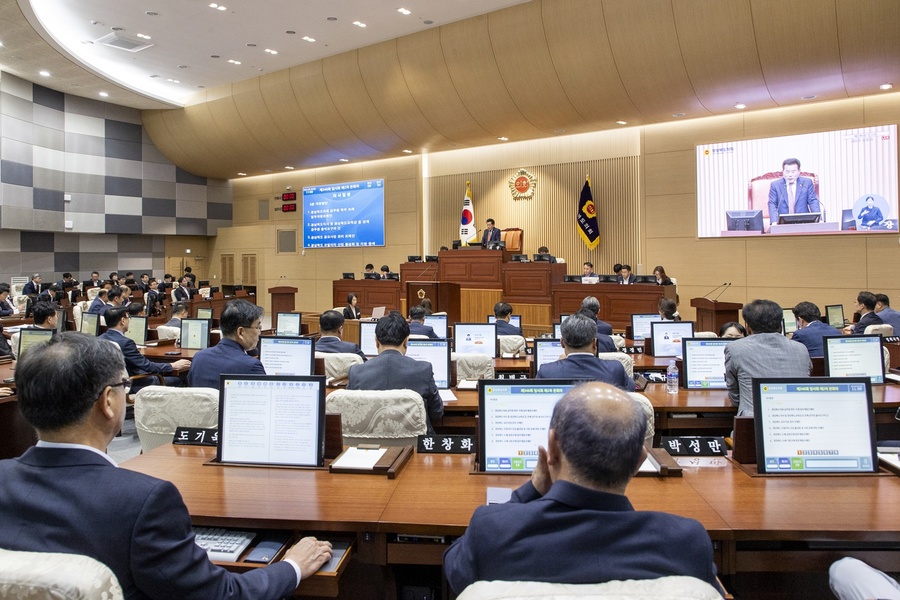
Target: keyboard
222 545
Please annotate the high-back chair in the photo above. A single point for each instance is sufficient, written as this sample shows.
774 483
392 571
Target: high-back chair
158 410
673 587
385 417
55 576
337 364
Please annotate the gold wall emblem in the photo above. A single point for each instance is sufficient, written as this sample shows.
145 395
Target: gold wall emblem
522 185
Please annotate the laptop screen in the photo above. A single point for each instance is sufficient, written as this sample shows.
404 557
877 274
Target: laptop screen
194 334
90 323
704 362
137 330
667 336
367 338
475 338
272 420
284 355
814 425
640 325
854 356
514 320
513 419
30 337
288 323
204 313
436 352
438 323
835 315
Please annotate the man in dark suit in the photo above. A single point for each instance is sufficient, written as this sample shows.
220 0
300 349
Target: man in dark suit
188 272
183 292
417 324
144 283
591 304
502 312
57 496
7 308
179 312
98 304
52 294
575 502
865 306
587 269
883 309
94 281
33 287
792 194
579 341
331 329
491 233
391 370
114 299
117 320
625 276
810 329
241 323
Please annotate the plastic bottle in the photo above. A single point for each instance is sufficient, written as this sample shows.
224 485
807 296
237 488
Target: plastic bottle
672 378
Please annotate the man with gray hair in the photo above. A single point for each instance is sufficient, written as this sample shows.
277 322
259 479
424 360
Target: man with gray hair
579 340
241 323
572 522
592 304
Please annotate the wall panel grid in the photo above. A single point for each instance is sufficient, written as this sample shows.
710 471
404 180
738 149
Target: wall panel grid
549 218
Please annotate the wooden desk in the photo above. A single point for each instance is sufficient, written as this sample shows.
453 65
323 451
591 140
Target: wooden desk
617 302
158 353
471 267
370 292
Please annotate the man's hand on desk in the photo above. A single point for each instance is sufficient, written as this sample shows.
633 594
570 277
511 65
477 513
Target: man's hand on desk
540 477
309 554
181 365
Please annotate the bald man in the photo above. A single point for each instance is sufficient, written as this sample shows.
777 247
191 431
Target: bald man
571 523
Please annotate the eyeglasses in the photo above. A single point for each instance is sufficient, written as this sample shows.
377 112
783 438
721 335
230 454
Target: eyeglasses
125 383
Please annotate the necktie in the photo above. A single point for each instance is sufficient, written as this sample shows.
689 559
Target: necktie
792 195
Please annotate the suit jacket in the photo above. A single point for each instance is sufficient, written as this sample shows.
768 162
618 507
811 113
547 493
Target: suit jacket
587 366
97 307
148 545
182 294
135 362
352 312
805 199
576 535
31 289
391 370
891 317
811 337
45 297
490 236
333 344
605 343
225 357
504 328
421 329
870 318
603 327
621 280
173 322
761 355
7 308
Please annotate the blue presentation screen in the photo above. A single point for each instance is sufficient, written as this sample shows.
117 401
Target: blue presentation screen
344 215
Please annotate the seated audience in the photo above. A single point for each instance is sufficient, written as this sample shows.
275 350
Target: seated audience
7 306
33 287
351 311
94 281
392 370
502 312
241 324
887 314
52 294
764 353
625 276
668 310
113 300
179 312
852 579
810 328
183 292
732 329
153 299
331 330
865 306
43 315
98 304
593 305
417 324
148 543
579 341
117 320
572 523
661 277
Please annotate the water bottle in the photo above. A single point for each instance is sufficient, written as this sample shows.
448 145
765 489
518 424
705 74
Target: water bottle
672 378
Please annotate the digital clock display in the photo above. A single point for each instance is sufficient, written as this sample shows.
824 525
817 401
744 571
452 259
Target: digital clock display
289 207
289 197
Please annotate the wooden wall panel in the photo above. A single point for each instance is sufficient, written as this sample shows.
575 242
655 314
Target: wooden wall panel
670 216
685 135
281 106
670 173
533 314
476 304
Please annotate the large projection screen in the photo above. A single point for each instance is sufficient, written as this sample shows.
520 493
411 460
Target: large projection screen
344 215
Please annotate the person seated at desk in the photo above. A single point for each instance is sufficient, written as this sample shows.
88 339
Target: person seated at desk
668 310
764 353
52 294
852 579
733 330
865 306
94 281
545 250
572 523
385 271
183 292
117 320
491 233
426 304
57 497
579 341
241 323
67 282
153 299
7 306
370 268
417 324
126 295
587 269
33 287
144 283
871 215
179 312
888 315
351 311
331 332
591 304
792 194
43 315
98 304
810 328
188 272
114 278
661 278
502 312
625 276
392 370
113 300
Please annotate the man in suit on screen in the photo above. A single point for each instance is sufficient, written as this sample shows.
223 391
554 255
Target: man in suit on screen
792 194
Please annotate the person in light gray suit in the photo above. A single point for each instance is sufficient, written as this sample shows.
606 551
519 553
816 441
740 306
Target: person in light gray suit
764 353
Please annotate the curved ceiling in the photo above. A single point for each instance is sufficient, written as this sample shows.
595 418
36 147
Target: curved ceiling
536 69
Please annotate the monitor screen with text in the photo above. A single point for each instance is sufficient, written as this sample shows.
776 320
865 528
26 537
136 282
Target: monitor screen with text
547 350
435 352
204 313
475 338
282 355
30 337
367 338
90 324
288 323
137 330
854 356
640 325
514 320
344 215
438 323
194 334
667 336
834 314
704 362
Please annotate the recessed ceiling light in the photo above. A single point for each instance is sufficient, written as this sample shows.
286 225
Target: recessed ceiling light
331 18
359 23
407 152
104 94
809 97
242 174
621 122
883 86
173 80
344 159
428 22
404 11
234 62
270 51
218 6
503 139
309 39
117 28
677 114
44 73
143 36
740 106
151 13
289 168
251 45
214 56
182 66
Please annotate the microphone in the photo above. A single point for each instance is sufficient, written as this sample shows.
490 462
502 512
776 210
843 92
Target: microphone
706 295
727 285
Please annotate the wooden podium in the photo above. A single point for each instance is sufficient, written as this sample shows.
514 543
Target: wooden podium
444 297
711 315
282 301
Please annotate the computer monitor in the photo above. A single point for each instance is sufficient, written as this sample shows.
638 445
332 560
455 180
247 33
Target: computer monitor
195 334
799 218
667 336
546 350
371 276
90 324
496 245
30 337
513 419
572 278
61 320
348 275
287 355
137 330
564 316
854 356
519 258
431 258
475 338
541 257
834 314
288 323
436 352
814 425
438 323
703 361
640 325
514 320
204 313
414 258
789 321
744 220
272 420
557 330
394 276
367 338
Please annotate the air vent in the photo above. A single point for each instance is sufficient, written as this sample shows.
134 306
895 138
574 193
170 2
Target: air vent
123 42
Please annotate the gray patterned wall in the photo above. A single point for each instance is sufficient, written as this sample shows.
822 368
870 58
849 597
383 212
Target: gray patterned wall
82 187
